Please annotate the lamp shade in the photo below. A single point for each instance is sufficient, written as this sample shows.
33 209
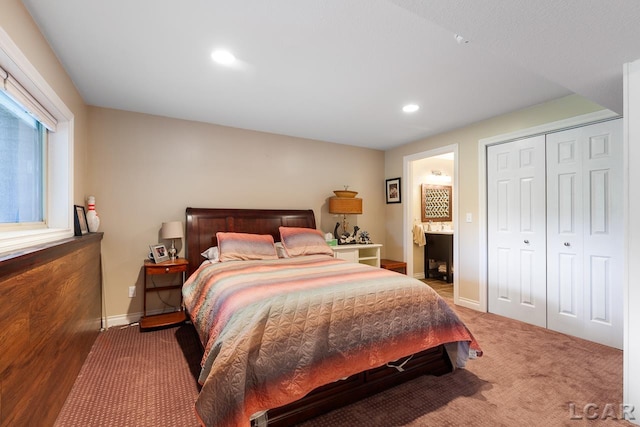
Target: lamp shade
345 205
172 230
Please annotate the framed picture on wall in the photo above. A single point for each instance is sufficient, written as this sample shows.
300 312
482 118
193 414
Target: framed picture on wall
80 226
436 203
393 190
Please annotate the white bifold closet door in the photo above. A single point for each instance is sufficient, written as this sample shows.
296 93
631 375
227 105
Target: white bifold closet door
517 230
584 232
555 224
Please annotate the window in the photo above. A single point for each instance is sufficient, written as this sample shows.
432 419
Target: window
22 154
36 155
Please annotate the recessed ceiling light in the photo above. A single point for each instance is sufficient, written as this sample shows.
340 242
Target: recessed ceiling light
410 108
460 39
223 57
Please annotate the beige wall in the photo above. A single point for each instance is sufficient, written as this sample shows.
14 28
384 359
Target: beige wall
147 169
144 170
468 183
19 25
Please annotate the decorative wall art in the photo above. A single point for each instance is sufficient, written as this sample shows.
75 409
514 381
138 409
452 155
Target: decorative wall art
436 203
393 190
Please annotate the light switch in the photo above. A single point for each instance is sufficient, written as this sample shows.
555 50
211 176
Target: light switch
469 217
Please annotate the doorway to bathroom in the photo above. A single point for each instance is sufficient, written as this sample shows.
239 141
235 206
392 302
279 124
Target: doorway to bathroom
430 218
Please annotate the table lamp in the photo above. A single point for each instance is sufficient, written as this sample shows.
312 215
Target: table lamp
344 203
172 230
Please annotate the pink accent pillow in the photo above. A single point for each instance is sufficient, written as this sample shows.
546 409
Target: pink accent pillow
298 241
245 246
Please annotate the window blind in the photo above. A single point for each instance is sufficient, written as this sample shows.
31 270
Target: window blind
15 90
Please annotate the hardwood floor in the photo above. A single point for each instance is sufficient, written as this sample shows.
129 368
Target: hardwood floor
443 288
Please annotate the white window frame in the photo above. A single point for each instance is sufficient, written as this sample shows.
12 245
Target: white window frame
59 160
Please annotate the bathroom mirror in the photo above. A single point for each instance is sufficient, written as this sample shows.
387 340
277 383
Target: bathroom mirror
436 203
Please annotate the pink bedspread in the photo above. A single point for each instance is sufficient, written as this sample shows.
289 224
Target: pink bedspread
274 330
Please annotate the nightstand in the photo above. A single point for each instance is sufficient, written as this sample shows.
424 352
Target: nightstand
177 266
364 254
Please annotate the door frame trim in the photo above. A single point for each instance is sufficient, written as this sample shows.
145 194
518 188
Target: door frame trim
407 214
572 122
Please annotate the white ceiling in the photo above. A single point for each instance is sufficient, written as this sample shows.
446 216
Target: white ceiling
340 70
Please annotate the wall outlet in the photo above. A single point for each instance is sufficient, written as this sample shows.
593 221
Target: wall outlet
469 217
132 291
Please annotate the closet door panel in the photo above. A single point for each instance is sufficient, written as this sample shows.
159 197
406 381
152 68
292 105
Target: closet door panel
566 204
567 294
600 294
564 226
604 235
527 278
502 275
584 217
516 230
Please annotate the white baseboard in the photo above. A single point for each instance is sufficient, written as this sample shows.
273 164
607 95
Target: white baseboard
127 319
418 276
468 303
120 320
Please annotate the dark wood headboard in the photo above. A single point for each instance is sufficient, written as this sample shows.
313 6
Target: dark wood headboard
203 224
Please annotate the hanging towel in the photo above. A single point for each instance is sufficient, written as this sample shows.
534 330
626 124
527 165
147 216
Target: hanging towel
418 235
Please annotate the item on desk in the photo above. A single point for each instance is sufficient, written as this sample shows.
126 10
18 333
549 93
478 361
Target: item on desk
330 240
335 231
348 239
93 220
364 238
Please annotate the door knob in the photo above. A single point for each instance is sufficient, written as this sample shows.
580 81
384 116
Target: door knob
567 244
526 241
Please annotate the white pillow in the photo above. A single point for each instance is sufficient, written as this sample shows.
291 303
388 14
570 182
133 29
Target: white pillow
282 252
212 254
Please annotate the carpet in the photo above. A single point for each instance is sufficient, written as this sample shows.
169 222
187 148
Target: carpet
133 378
528 376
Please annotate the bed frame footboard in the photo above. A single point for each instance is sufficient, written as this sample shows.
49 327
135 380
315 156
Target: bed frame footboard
434 361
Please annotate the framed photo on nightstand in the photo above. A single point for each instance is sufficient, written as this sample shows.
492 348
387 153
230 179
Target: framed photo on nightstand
159 253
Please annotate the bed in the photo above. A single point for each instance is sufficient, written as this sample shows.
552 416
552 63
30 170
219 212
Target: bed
286 338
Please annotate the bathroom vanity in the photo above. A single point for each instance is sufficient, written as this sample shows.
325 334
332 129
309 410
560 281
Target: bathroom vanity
439 247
